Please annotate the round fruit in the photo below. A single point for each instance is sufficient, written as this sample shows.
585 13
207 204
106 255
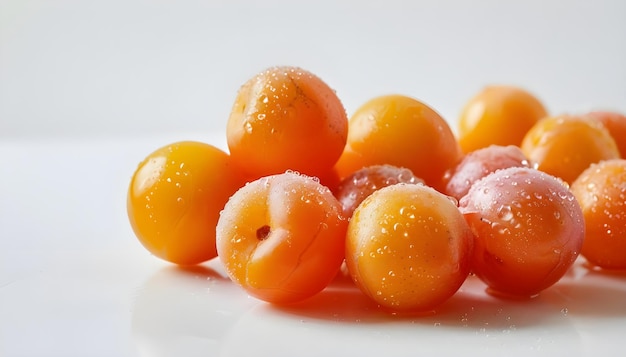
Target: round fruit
564 146
408 247
286 118
528 230
175 197
601 191
498 115
615 123
282 237
400 131
478 164
355 188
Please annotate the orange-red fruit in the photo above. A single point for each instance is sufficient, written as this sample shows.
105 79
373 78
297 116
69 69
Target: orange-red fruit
355 188
498 115
564 146
601 191
400 131
478 164
528 230
174 200
616 125
408 248
282 237
286 118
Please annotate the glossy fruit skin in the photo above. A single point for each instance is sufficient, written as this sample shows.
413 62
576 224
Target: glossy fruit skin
355 188
174 199
615 123
286 118
601 191
498 115
528 230
408 248
564 146
282 237
478 164
400 131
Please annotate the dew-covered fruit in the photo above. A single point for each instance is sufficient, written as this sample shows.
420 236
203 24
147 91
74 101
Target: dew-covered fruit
286 118
601 191
355 188
401 131
478 164
282 237
615 123
175 197
408 248
564 146
528 229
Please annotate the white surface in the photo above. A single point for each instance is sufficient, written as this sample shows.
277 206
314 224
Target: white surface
74 281
88 88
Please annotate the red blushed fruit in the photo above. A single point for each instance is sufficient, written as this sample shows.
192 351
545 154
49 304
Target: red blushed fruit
615 123
282 237
528 230
478 164
353 189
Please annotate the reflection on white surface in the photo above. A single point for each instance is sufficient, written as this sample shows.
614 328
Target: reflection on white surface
74 281
200 312
185 312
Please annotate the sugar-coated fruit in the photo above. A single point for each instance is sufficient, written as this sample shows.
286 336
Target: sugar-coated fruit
528 230
282 237
408 248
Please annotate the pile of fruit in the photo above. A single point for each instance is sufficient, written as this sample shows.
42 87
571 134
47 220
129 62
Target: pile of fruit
410 207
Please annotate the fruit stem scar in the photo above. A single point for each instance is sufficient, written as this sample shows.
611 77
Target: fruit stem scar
263 232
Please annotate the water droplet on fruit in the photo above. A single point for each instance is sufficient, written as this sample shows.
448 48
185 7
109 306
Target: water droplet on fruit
563 194
390 181
504 213
261 116
180 200
248 127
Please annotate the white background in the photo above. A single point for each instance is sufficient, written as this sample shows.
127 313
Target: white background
94 68
88 88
